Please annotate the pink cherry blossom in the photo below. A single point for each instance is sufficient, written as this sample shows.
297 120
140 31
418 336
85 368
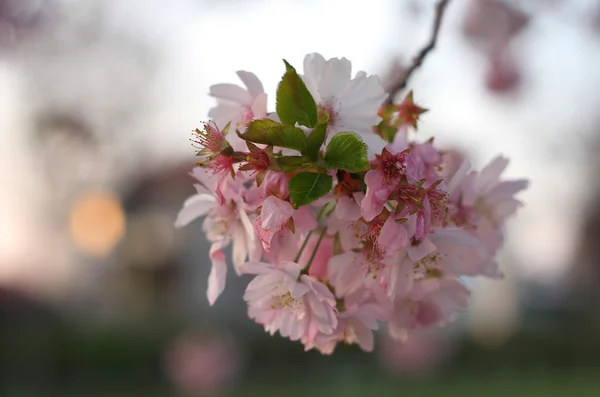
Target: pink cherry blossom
224 223
352 103
363 310
387 242
433 303
393 236
376 196
238 106
282 299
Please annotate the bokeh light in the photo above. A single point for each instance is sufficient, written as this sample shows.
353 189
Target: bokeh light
97 222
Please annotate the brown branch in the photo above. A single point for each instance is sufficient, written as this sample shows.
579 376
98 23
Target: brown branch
440 8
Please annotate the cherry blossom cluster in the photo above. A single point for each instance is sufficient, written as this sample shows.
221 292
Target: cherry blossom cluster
345 221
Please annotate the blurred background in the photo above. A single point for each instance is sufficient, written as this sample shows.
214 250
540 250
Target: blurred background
101 296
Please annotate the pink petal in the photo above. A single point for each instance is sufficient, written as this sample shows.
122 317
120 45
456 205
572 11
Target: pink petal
246 224
265 236
231 92
490 174
347 209
259 106
194 207
240 247
364 336
206 179
346 272
304 220
255 87
372 204
275 213
423 288
402 278
253 267
218 273
392 237
420 250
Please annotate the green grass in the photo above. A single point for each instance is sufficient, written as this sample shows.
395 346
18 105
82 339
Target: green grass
575 383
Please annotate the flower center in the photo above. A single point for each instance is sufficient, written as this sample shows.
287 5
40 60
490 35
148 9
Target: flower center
210 139
328 107
285 301
246 117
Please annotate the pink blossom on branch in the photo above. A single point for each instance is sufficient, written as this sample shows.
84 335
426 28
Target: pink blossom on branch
343 230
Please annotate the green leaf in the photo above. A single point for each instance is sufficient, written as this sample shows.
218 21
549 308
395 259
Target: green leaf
306 187
347 151
269 132
294 101
387 132
314 141
292 163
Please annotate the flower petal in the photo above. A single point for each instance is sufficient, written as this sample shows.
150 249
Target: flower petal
231 92
255 87
194 207
275 213
218 273
392 237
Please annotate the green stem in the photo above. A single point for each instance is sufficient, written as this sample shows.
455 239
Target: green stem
314 253
303 246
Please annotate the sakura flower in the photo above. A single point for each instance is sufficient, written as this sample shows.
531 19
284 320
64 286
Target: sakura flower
224 223
347 271
392 236
282 299
362 313
444 253
494 197
277 215
387 244
348 208
350 270
238 106
285 244
210 141
349 233
434 303
352 103
377 194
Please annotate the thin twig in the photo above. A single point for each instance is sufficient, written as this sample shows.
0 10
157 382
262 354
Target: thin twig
418 60
314 253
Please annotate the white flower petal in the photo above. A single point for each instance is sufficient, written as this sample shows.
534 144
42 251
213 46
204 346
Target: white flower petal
194 207
255 87
231 92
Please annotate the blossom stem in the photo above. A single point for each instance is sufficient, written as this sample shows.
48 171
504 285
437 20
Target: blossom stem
418 61
314 253
303 246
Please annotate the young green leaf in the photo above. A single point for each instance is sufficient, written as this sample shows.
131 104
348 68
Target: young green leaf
306 187
294 101
314 141
291 163
269 132
347 151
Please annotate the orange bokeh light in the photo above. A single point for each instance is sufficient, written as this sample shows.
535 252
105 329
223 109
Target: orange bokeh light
97 222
